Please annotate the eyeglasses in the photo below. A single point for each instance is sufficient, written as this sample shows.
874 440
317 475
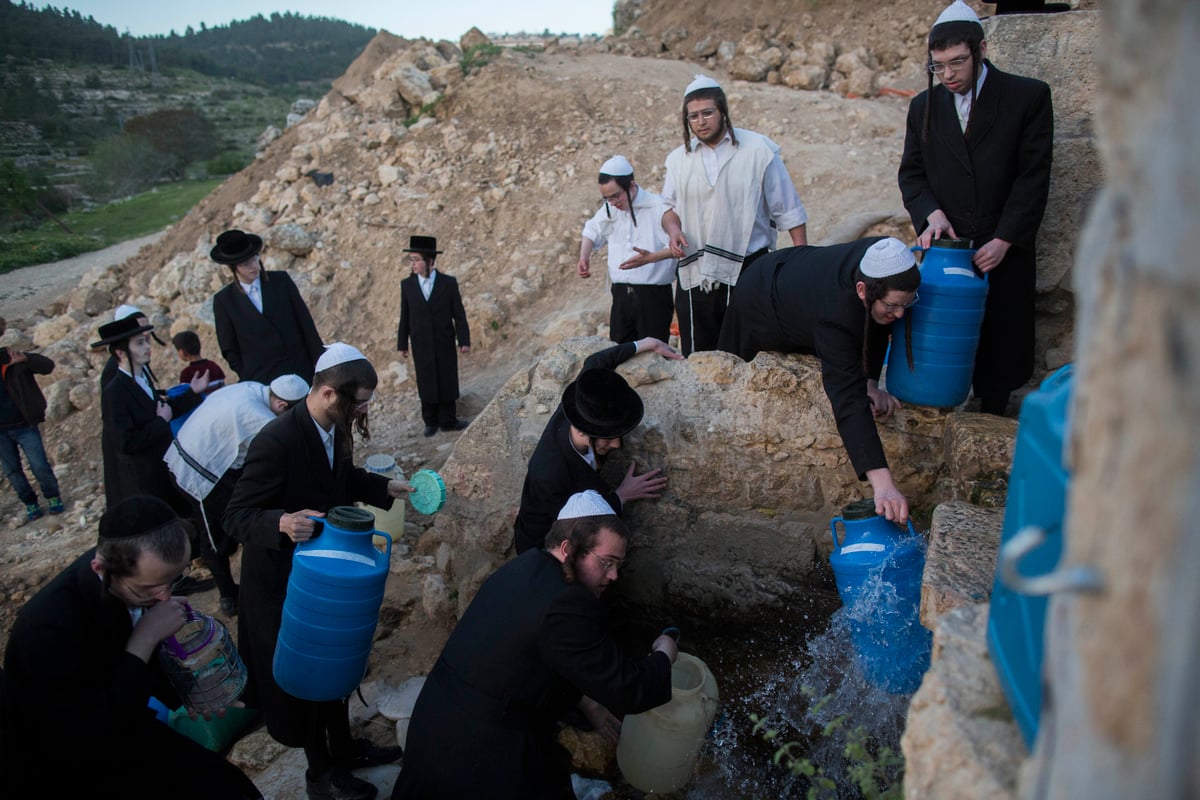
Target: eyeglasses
705 113
954 65
361 405
892 308
610 198
607 564
148 593
415 259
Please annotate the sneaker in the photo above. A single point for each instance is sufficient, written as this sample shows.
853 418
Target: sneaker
338 785
55 505
365 753
33 511
229 606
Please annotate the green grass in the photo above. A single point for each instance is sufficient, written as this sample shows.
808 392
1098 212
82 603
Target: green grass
105 225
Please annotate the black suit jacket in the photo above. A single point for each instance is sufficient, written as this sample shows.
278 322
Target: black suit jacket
280 340
66 660
526 648
557 471
134 440
437 327
992 183
286 470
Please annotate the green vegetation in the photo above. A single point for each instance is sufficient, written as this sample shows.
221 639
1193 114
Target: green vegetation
478 56
111 223
876 771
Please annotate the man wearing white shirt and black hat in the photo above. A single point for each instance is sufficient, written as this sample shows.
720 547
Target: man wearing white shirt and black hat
839 304
976 165
433 318
640 266
729 194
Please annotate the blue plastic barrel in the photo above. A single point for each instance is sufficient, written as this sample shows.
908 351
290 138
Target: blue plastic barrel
332 607
878 567
945 326
179 390
1037 495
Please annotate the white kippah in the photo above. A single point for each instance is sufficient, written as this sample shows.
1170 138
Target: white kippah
958 11
338 353
585 504
700 82
124 311
291 388
885 258
617 165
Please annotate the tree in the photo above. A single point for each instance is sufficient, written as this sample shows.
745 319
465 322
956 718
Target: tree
180 136
124 165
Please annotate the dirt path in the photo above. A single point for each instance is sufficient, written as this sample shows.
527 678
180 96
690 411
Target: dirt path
26 290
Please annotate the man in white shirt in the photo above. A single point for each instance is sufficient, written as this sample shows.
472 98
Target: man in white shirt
728 194
640 266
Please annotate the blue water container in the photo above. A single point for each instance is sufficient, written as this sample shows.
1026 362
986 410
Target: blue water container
945 326
332 607
878 567
179 390
1037 495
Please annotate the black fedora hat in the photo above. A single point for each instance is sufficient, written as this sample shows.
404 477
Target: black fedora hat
422 244
119 330
601 404
233 247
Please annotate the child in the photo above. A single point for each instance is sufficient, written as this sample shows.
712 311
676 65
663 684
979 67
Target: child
187 344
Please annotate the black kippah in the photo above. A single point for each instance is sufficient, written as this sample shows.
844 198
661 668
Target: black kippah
135 516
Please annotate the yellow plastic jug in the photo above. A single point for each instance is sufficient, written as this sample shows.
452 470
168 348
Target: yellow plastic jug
658 748
392 520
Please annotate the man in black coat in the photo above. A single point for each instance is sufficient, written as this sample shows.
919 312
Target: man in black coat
80 668
597 410
136 421
531 645
299 466
432 316
264 328
976 166
837 303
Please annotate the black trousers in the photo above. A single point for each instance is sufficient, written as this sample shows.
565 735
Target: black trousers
439 415
702 313
640 310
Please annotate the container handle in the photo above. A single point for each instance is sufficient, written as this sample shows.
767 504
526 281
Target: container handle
837 546
387 551
319 527
1078 578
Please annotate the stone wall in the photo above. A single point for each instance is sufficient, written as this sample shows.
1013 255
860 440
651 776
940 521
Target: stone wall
756 471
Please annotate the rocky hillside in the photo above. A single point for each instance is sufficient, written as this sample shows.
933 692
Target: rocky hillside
501 167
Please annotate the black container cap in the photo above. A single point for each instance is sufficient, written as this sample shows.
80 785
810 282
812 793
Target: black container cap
859 509
351 518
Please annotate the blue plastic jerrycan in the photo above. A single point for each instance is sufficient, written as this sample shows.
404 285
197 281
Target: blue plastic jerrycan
878 567
945 325
1037 496
332 607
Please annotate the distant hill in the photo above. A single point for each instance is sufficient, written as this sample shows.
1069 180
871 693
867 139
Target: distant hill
266 51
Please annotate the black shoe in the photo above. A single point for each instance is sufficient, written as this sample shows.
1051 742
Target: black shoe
338 785
365 753
430 430
457 425
229 606
189 585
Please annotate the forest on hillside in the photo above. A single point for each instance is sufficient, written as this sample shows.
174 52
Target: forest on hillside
267 51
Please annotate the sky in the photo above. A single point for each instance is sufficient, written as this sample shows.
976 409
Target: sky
412 19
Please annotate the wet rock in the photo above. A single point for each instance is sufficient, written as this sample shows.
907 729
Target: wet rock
960 562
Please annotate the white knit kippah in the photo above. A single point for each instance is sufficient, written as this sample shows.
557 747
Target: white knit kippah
885 258
338 353
291 388
585 504
126 310
617 165
700 82
958 11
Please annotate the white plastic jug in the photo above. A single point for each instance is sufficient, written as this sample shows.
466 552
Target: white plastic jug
392 520
658 748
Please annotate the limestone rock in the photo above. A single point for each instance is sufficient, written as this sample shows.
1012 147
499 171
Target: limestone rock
960 739
91 301
436 599
590 752
58 401
960 562
290 238
978 451
50 331
473 38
